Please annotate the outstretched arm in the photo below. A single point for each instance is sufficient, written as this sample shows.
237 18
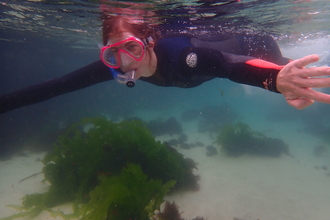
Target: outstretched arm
295 81
238 68
89 75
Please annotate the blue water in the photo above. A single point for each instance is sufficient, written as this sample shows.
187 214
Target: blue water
41 40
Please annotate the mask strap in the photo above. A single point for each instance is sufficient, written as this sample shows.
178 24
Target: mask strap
147 40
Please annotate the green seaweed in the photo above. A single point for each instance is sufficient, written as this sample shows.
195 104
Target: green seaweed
130 195
81 162
238 139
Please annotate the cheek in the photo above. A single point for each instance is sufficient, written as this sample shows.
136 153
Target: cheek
138 74
141 71
143 64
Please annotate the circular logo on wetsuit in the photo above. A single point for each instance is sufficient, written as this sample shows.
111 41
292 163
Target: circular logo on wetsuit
191 60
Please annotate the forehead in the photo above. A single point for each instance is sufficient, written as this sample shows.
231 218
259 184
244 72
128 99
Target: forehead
121 37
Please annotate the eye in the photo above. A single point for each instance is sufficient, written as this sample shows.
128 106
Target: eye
114 50
134 48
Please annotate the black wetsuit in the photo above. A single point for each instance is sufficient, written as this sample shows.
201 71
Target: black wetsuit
183 61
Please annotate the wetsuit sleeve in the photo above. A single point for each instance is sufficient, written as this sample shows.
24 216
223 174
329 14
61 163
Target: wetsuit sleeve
252 71
89 75
238 68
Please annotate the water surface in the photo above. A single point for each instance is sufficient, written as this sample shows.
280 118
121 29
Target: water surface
41 40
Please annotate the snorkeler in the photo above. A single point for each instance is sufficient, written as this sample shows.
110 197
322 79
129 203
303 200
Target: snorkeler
135 50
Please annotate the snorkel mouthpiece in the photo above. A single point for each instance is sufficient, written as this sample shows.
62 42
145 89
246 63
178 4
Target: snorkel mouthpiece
128 78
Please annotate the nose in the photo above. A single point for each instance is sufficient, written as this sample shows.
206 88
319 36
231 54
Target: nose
125 60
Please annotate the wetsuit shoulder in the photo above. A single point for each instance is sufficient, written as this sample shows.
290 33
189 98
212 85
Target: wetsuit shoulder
168 51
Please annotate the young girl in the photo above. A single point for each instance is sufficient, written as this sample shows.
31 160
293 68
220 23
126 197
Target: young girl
135 50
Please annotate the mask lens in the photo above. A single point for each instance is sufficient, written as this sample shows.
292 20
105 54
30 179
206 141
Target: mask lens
110 55
134 48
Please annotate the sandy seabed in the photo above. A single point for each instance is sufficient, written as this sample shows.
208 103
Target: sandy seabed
246 187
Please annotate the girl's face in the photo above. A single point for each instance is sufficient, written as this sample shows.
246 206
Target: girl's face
130 54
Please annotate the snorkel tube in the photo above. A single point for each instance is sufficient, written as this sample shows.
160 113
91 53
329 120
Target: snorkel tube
128 78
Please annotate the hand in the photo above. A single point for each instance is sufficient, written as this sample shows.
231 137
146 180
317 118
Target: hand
294 82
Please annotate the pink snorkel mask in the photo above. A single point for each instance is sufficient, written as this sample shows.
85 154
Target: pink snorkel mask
132 47
123 54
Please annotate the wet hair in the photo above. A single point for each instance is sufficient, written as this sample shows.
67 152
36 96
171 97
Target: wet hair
114 26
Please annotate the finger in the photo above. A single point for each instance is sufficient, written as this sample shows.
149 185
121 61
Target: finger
313 82
300 103
300 63
315 71
314 95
